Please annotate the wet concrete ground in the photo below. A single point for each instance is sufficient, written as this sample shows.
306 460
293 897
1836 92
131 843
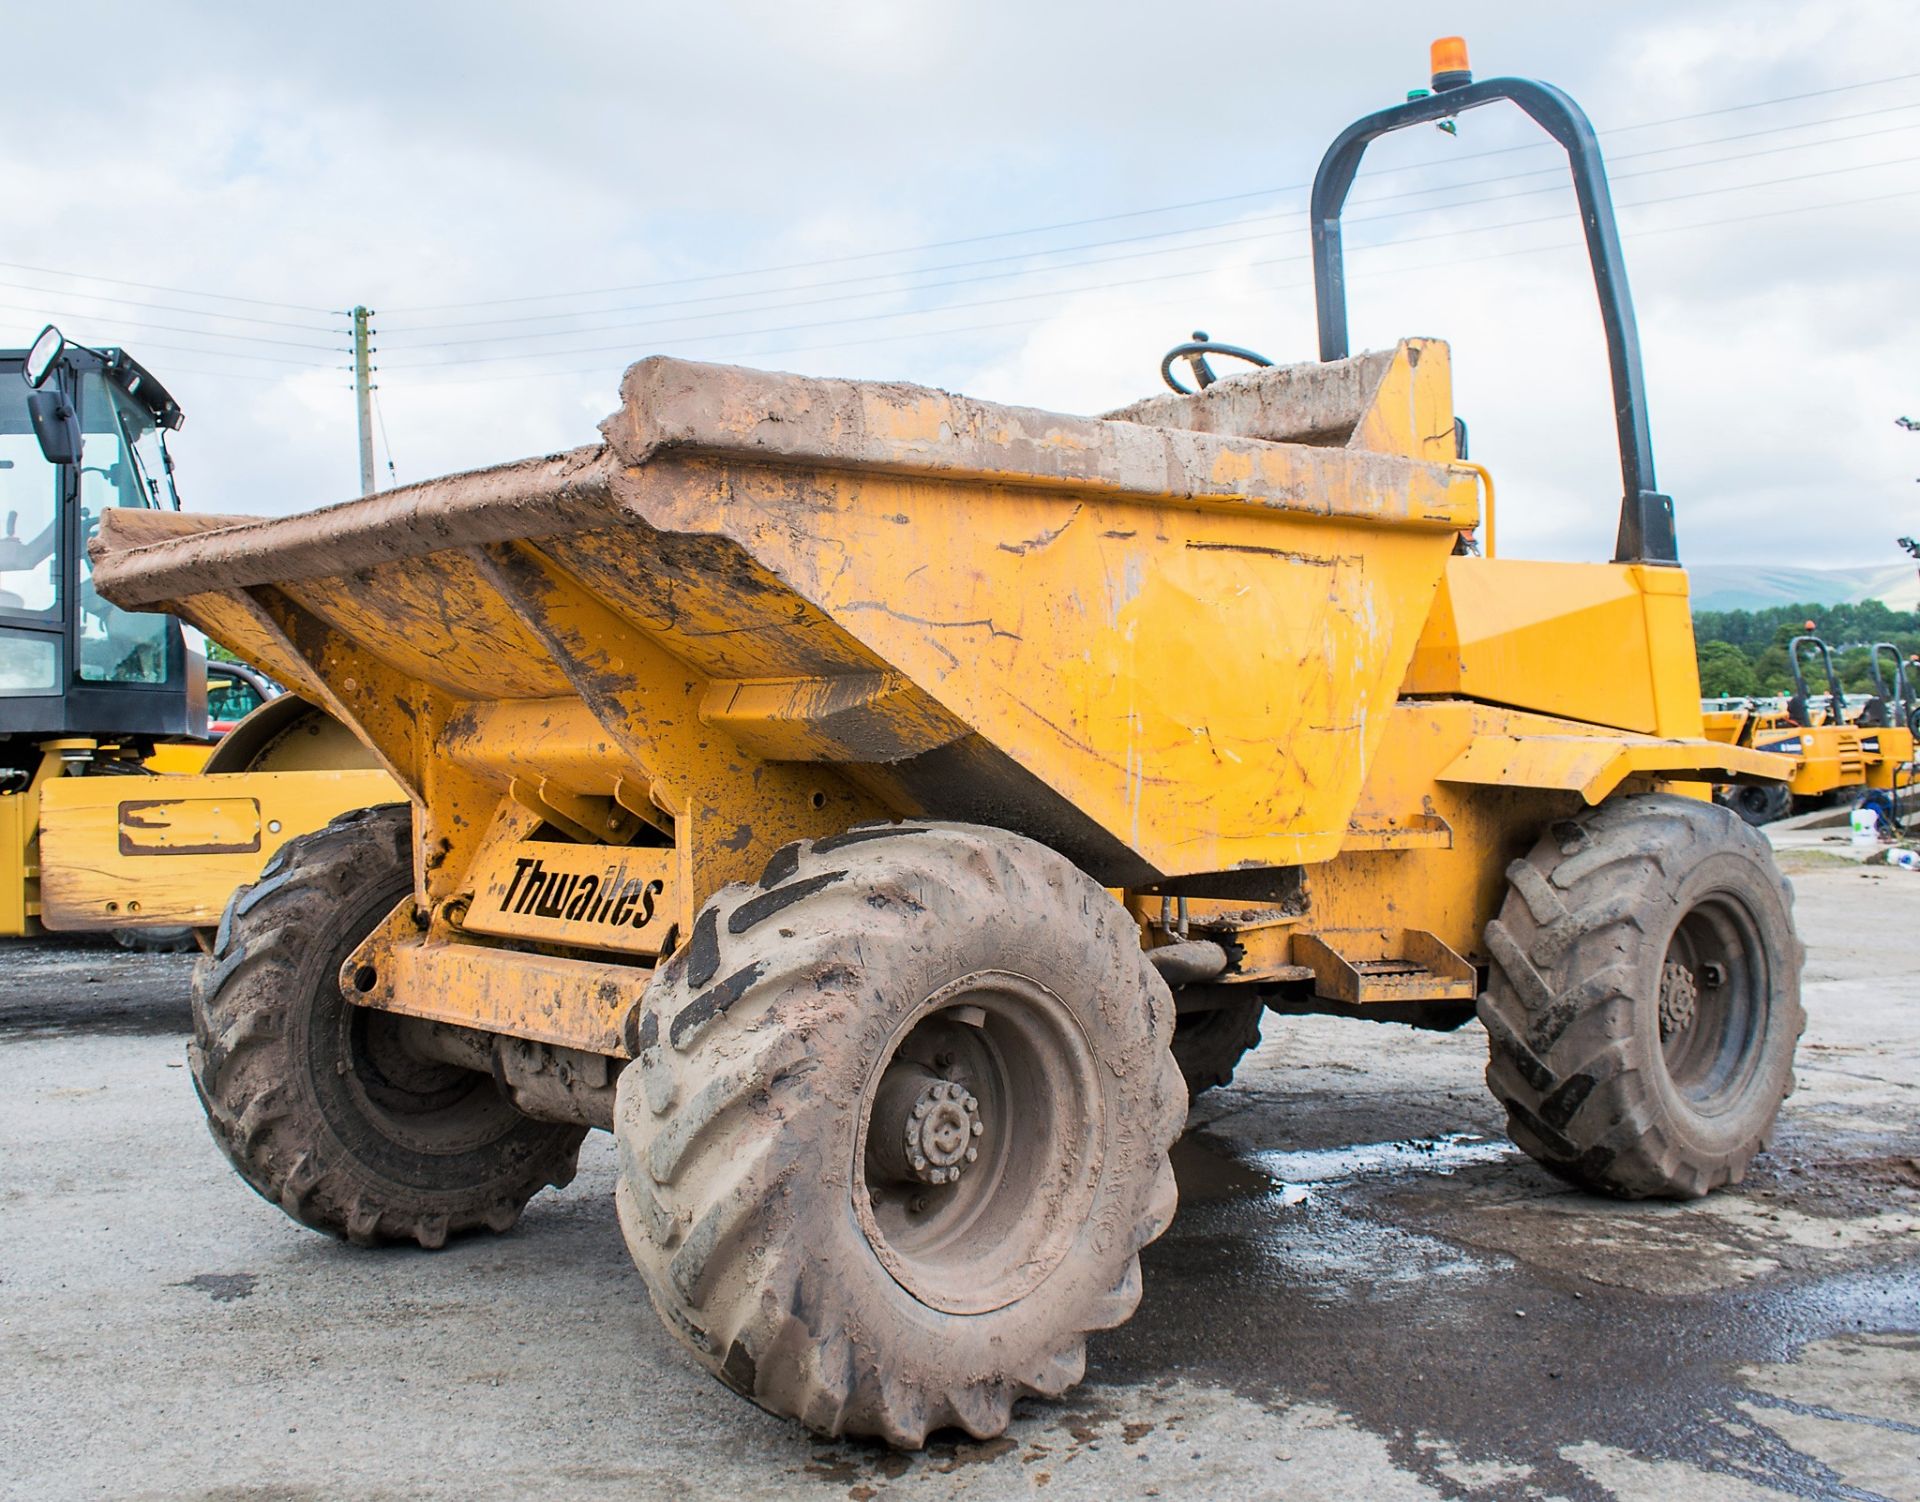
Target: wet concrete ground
1367 1294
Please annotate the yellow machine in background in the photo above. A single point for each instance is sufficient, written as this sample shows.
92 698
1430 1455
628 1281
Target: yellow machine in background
117 812
882 809
122 853
1830 751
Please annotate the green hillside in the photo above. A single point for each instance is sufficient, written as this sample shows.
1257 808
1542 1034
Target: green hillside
1745 651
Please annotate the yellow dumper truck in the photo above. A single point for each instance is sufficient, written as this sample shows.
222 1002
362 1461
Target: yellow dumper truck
1829 751
851 795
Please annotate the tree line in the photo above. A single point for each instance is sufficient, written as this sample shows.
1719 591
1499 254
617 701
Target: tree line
1744 652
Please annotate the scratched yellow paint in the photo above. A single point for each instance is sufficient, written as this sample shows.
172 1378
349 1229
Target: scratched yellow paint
1460 788
122 851
1143 661
1412 411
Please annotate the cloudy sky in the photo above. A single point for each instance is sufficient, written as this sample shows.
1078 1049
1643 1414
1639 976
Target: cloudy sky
1024 202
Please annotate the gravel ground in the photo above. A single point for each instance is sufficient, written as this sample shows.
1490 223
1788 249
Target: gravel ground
1367 1294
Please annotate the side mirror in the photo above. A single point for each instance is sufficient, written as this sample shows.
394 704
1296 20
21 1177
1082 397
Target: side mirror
43 356
56 425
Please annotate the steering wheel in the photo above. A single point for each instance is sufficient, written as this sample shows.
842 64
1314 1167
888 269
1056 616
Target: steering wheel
1195 353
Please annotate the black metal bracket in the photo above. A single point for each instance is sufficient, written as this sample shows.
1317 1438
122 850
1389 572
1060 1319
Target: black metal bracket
1899 692
1646 532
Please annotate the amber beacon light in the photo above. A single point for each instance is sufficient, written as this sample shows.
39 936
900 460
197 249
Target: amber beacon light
1450 67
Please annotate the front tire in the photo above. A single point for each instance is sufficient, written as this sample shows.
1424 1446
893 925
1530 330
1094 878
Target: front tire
897 1130
1644 998
320 1104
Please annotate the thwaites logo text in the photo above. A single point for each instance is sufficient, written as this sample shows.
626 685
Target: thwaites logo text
611 898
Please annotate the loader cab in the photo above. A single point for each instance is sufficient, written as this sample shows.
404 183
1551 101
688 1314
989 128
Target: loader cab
82 431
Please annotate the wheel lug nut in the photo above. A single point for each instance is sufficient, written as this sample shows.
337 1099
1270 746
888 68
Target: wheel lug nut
927 1127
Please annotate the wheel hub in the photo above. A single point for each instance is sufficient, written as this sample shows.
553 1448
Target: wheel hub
925 1128
1679 999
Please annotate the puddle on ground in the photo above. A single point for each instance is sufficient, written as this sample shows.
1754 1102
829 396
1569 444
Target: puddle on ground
1211 1169
1379 1293
1324 1167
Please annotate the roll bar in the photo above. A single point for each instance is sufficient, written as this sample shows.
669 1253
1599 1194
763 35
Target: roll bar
1886 708
1836 698
1646 532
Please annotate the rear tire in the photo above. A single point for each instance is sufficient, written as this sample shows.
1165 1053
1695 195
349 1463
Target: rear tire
922 978
1209 1044
1644 998
173 940
319 1103
1759 803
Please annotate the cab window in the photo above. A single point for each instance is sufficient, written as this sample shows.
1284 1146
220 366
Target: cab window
29 552
229 698
29 513
116 646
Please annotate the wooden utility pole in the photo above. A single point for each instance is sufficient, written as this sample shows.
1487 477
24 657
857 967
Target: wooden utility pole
363 396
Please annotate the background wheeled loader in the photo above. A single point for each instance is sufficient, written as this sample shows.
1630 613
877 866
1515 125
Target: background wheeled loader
773 766
96 700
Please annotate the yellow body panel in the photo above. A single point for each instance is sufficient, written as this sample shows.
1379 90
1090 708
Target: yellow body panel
179 758
20 832
19 866
1828 759
1467 788
576 1003
1889 751
119 852
1577 761
1121 655
1604 643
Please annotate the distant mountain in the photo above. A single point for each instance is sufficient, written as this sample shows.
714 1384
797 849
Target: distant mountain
1737 586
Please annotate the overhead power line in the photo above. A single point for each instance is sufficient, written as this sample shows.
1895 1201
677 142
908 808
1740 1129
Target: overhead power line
120 281
868 255
174 368
166 328
1361 274
161 307
1265 235
1157 277
237 354
1360 200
